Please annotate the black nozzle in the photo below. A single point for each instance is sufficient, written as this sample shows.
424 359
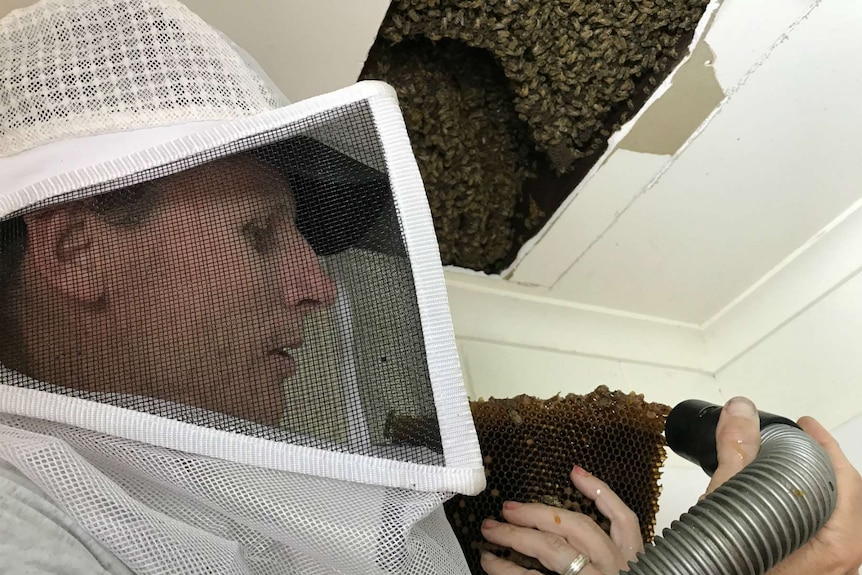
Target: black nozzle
690 431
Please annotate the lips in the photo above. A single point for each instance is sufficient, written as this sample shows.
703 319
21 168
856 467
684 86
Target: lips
282 356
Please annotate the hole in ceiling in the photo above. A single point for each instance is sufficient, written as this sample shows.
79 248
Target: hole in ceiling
509 103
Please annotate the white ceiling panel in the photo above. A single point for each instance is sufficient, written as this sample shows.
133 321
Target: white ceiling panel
584 217
778 163
744 30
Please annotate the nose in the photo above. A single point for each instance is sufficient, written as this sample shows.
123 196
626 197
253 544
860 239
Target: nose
304 283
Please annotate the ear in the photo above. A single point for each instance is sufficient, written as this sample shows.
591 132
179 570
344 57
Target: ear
62 250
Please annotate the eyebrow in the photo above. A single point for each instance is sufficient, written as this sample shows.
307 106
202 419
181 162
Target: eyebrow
273 187
283 202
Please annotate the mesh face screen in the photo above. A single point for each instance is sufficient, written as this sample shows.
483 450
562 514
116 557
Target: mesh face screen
530 446
263 289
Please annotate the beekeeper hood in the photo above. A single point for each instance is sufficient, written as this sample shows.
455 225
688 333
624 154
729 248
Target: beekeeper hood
224 332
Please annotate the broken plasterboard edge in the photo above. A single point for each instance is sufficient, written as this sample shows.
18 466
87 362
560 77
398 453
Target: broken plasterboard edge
730 93
668 123
614 141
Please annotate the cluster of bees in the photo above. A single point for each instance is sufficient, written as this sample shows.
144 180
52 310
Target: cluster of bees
495 90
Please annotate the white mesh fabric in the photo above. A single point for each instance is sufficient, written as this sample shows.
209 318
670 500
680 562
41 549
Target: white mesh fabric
171 489
70 68
165 512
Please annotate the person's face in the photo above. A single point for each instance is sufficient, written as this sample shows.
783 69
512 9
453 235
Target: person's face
207 298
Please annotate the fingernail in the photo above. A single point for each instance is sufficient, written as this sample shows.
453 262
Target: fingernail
741 407
511 505
581 471
489 524
488 556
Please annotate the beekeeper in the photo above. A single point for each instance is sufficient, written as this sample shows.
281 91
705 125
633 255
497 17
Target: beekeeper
213 305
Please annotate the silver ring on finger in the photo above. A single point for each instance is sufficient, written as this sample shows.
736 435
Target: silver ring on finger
577 565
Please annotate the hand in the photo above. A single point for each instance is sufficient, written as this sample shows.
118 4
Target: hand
557 536
534 529
835 549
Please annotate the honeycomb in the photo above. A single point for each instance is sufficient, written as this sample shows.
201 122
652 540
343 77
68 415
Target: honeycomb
480 81
530 445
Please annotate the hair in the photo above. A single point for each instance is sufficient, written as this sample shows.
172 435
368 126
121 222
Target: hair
125 207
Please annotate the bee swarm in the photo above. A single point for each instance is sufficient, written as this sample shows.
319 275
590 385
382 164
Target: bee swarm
496 91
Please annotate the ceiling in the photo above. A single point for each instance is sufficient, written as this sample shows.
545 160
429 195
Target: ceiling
681 234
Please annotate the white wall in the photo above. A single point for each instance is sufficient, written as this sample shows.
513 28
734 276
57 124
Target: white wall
793 345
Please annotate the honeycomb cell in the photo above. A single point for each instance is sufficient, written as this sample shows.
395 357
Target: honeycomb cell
615 435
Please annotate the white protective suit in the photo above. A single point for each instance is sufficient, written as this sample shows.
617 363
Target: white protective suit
192 384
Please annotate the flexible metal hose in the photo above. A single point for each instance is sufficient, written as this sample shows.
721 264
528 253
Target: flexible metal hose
754 520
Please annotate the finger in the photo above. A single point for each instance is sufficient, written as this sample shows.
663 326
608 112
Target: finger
559 527
838 542
550 549
625 526
848 477
493 565
737 439
829 444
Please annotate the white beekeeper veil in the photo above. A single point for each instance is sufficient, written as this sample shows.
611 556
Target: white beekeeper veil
224 332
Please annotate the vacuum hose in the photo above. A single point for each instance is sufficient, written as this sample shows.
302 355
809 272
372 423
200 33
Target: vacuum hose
758 517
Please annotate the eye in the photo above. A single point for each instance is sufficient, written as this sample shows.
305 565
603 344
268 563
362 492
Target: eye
261 236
